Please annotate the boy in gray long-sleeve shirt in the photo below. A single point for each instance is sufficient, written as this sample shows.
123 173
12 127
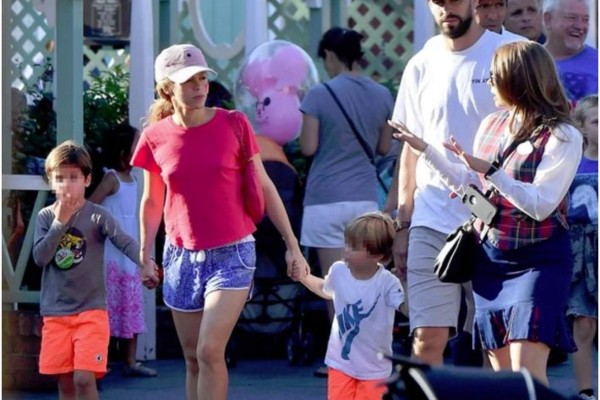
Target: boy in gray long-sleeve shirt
69 246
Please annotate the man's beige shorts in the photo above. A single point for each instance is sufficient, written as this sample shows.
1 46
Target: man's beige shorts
431 303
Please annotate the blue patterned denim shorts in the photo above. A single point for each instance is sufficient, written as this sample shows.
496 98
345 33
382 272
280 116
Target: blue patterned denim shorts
190 275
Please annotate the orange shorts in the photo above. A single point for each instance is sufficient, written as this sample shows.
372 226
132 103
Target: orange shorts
75 342
344 387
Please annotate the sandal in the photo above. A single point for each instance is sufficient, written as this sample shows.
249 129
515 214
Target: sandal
139 370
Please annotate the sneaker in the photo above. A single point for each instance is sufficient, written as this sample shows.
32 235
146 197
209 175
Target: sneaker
583 396
139 370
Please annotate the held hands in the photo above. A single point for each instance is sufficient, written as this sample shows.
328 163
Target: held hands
149 274
299 273
474 163
404 134
400 252
297 267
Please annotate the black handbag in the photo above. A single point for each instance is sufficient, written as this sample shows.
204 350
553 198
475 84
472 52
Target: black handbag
456 261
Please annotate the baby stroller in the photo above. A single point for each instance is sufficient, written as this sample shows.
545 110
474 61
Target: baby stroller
413 380
276 304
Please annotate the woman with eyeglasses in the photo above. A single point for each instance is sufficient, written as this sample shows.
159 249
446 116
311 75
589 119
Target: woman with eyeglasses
528 154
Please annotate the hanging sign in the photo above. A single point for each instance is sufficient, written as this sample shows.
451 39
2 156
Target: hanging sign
107 21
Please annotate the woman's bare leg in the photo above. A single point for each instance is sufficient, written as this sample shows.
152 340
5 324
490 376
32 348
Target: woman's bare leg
187 325
532 356
221 312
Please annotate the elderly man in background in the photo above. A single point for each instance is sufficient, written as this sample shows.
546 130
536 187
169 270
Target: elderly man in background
524 17
567 23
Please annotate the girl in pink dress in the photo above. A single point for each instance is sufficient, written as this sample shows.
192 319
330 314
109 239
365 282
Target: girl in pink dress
118 192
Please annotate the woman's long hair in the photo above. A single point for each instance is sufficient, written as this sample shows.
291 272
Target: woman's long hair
525 76
162 106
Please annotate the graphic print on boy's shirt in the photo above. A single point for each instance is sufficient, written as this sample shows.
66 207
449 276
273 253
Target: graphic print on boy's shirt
349 324
71 249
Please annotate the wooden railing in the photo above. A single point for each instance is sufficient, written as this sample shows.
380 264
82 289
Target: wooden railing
13 274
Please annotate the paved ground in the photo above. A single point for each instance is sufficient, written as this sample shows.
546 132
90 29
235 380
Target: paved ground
249 380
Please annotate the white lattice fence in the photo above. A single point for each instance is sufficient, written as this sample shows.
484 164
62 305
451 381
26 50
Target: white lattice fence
289 20
388 29
30 43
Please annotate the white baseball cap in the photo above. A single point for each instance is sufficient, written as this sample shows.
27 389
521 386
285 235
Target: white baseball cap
179 63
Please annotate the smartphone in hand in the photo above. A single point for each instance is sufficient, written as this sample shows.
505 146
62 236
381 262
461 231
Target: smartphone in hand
479 204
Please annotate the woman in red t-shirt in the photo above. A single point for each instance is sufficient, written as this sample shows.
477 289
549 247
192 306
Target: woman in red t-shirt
197 154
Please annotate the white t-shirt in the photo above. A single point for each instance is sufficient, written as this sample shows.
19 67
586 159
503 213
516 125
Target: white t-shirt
444 93
511 37
363 323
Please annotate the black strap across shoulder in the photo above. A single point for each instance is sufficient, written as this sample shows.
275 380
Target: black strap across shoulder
359 137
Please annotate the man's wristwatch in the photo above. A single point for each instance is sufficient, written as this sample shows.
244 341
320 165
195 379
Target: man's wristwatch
399 225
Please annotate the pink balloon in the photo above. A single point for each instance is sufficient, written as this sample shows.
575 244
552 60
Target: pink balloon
278 116
255 77
289 66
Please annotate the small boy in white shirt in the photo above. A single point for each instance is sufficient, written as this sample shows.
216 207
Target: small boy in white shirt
365 297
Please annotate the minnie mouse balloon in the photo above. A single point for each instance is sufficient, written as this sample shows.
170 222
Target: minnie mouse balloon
271 85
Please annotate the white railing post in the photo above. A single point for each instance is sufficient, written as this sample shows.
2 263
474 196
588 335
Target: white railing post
69 70
141 96
256 25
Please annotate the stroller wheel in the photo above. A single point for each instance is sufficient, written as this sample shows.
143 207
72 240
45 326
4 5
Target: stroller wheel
308 348
294 349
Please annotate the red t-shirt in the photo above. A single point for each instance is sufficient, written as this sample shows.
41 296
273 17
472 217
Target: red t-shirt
202 169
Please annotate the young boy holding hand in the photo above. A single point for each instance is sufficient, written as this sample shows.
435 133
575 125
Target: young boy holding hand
365 298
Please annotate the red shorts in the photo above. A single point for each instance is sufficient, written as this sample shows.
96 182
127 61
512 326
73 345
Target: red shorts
75 342
344 387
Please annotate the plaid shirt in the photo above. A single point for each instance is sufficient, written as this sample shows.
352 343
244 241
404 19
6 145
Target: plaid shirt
511 227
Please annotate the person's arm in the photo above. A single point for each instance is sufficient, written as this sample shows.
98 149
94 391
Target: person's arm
107 186
552 180
122 240
553 175
406 189
454 175
391 201
309 135
385 140
396 296
384 143
131 248
315 284
406 109
151 209
279 218
48 232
